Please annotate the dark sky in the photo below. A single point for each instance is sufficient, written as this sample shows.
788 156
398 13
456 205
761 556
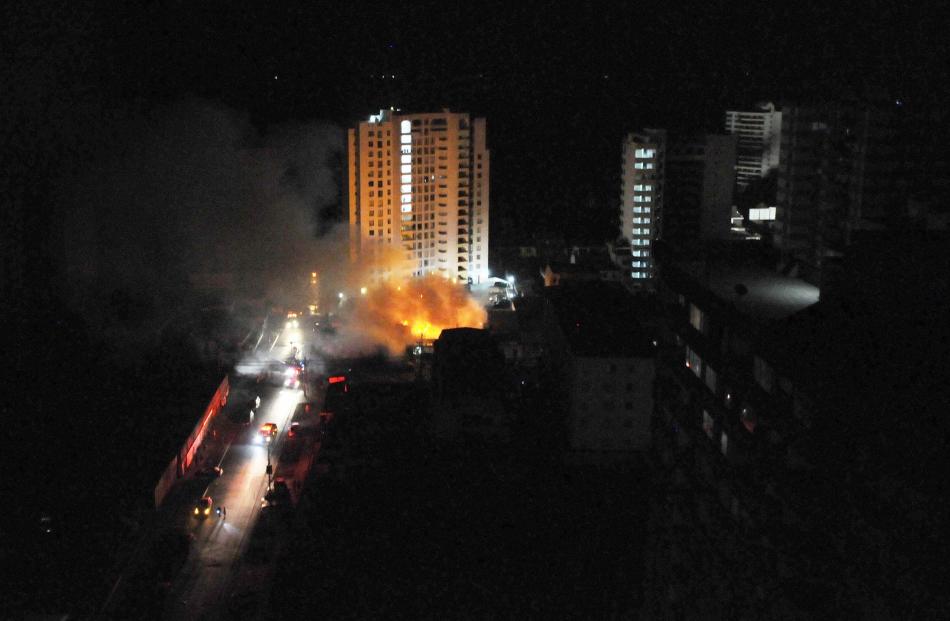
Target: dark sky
559 86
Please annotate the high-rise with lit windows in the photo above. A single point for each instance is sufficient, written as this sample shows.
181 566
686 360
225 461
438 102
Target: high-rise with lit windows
641 197
759 135
418 184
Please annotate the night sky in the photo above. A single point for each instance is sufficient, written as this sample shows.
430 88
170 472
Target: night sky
559 86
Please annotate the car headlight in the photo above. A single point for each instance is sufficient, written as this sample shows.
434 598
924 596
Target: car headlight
208 511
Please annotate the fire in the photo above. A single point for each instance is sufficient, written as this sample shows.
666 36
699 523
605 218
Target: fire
397 314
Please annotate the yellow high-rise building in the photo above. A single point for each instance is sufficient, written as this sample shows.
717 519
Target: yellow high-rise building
418 191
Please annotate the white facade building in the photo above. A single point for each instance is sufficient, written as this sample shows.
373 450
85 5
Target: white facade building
418 183
759 135
641 199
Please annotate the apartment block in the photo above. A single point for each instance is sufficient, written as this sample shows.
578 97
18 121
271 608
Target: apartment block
418 185
641 200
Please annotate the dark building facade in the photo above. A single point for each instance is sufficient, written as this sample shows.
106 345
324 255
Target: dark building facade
796 441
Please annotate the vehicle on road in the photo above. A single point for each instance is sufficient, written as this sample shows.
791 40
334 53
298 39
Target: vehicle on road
203 507
292 377
268 431
294 430
210 470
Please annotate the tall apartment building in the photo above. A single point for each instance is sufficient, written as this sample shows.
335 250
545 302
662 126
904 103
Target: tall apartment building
759 135
845 167
641 199
419 183
699 179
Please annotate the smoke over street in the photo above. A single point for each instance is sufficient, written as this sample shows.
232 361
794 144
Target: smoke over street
192 195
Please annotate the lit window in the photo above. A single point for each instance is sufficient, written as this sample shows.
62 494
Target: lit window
406 168
641 199
638 210
640 231
405 188
638 188
405 127
696 318
406 179
694 362
644 153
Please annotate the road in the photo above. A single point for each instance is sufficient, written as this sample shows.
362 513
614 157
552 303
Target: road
219 542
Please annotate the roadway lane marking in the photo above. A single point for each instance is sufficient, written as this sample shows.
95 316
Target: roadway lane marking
276 338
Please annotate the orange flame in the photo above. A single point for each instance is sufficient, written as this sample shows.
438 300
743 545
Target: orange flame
401 314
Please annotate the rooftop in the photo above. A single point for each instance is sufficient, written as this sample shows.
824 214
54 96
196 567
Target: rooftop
600 319
755 291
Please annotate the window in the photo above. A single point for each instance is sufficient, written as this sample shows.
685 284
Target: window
711 379
694 362
640 231
644 153
708 425
696 318
763 374
749 419
641 242
643 165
